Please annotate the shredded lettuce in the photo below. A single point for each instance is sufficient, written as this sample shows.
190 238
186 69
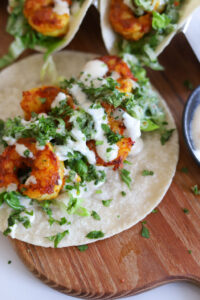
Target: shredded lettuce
163 23
25 37
15 50
160 21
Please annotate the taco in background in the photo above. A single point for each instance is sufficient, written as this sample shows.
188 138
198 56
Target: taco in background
46 26
143 27
83 160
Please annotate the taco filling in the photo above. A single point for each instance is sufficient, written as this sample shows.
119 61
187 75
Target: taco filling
42 25
72 141
142 25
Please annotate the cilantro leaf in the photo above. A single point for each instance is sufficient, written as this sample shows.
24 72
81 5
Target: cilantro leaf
125 177
160 21
195 190
106 203
147 173
145 231
166 135
82 248
188 84
95 215
95 234
58 237
112 137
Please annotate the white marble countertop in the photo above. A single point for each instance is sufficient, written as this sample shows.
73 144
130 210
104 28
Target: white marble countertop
17 283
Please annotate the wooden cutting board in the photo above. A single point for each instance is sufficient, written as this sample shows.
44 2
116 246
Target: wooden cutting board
127 263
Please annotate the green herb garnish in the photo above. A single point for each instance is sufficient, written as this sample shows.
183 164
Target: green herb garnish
95 215
42 100
106 203
147 173
185 210
58 237
195 190
125 177
145 231
184 170
95 234
188 84
82 248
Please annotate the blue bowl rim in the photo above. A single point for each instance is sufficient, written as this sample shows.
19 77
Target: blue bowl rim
186 132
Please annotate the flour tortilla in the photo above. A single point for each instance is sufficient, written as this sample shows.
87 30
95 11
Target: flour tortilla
111 38
124 212
75 22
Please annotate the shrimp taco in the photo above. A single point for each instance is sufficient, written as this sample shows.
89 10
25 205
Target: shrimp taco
45 25
83 160
143 27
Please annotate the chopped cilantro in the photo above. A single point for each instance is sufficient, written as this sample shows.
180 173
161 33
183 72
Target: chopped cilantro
145 231
166 135
106 203
195 190
190 251
42 100
27 153
147 173
9 262
15 216
184 170
95 215
82 248
123 193
125 177
185 210
99 143
95 234
154 211
127 162
112 137
58 237
188 84
98 192
12 200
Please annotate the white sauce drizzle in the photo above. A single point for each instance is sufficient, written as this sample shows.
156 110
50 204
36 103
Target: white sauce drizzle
61 7
93 69
60 97
132 126
78 145
20 149
11 187
195 132
31 179
9 140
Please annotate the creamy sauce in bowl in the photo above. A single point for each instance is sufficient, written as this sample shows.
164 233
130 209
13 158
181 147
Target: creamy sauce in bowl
195 132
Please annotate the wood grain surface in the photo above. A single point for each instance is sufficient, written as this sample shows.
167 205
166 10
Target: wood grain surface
127 263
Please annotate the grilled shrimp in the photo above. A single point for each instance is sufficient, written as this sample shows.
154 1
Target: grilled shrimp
39 100
116 64
47 17
124 145
125 23
46 171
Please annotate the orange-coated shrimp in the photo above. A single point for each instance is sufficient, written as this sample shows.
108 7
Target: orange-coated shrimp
39 100
125 145
46 170
116 64
125 23
43 16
